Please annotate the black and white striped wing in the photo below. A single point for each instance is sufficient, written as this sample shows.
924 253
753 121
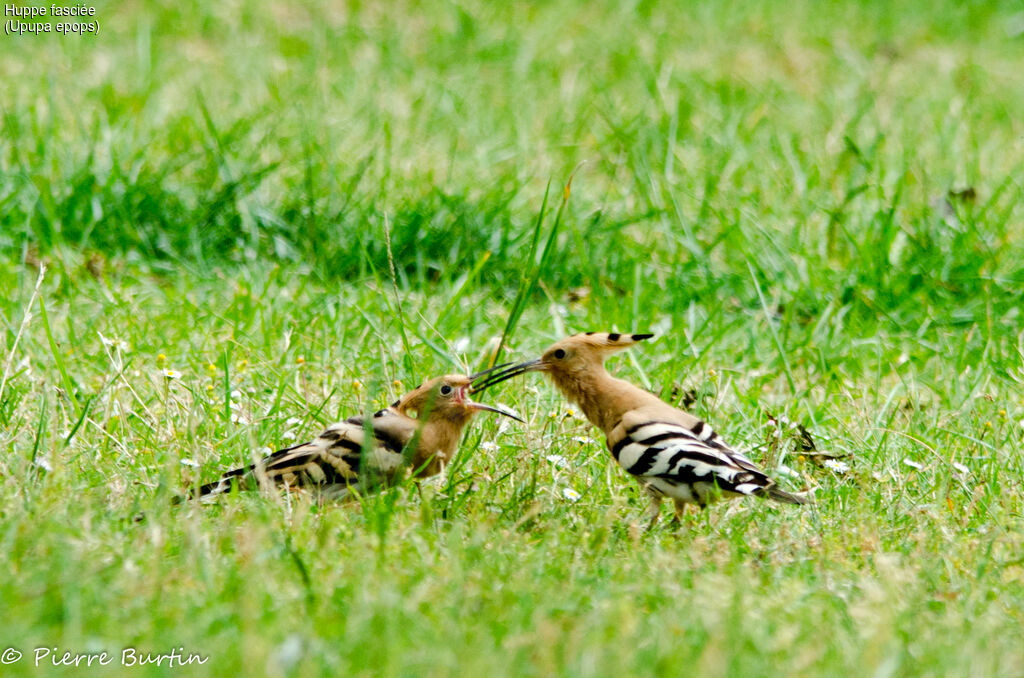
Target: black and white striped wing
690 464
334 461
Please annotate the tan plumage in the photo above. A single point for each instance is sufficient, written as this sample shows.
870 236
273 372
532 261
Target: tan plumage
341 459
671 452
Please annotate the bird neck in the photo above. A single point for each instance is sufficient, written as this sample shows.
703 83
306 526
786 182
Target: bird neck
602 397
438 439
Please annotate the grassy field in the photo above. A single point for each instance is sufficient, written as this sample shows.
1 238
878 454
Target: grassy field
817 208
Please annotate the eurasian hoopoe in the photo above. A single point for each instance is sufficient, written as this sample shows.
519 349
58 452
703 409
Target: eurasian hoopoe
672 453
339 460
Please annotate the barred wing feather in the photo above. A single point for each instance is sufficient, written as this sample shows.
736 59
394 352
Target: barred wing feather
334 461
686 463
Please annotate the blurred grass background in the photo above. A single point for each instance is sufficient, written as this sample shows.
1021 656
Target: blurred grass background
817 207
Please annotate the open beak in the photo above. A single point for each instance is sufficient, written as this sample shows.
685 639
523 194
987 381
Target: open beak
490 378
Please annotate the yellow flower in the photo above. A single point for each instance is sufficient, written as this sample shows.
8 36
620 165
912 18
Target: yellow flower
300 360
242 364
211 368
161 359
357 385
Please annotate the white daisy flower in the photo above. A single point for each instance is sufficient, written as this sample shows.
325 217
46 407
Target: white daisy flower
488 446
189 462
113 342
836 465
170 374
570 494
558 460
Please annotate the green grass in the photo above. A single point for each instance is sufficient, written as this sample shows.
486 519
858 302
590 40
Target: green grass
816 207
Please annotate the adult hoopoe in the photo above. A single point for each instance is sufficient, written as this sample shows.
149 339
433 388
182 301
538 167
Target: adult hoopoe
672 453
340 460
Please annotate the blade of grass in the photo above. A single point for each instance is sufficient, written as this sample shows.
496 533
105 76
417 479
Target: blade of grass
398 297
21 328
524 279
775 334
58 359
466 284
92 399
32 472
225 360
438 350
529 281
39 429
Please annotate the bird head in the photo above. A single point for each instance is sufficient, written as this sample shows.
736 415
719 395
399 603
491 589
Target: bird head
568 358
446 397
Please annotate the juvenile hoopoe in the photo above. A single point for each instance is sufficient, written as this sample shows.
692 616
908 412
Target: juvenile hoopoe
340 460
672 453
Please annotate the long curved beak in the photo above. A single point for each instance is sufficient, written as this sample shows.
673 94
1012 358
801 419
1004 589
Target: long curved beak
489 370
488 408
492 378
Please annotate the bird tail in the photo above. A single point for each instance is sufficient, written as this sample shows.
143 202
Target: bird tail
221 486
789 497
209 491
243 476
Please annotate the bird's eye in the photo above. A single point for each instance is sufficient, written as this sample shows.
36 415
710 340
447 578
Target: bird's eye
446 389
559 354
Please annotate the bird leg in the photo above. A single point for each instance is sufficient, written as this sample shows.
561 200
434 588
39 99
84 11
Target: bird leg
654 512
680 510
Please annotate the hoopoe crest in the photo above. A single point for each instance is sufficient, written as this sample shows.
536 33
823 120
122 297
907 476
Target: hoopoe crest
670 452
